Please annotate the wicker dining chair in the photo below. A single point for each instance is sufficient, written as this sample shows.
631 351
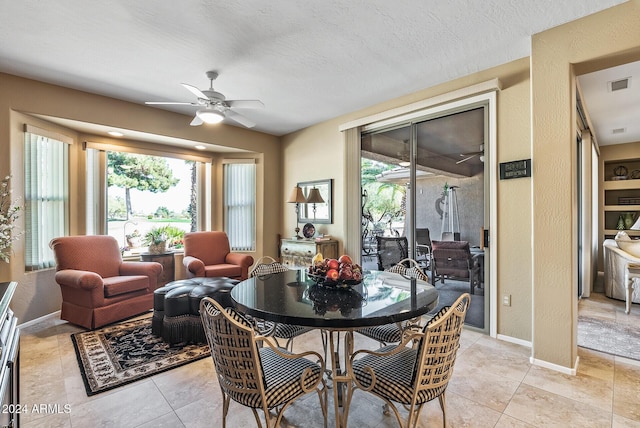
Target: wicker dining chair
259 377
392 333
414 375
267 265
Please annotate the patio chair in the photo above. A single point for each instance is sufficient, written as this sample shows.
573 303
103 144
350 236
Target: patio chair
265 266
391 249
414 375
266 377
392 333
453 260
423 247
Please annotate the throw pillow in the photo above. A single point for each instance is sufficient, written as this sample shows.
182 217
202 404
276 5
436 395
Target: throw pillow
628 245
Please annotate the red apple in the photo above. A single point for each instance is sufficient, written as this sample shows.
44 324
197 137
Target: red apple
357 275
332 275
346 274
333 264
345 259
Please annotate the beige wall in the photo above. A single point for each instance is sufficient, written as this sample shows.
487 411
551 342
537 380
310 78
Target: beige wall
611 33
318 152
20 99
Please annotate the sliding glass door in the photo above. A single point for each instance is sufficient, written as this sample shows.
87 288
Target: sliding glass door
424 180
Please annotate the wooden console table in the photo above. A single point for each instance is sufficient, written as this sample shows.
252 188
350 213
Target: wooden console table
297 253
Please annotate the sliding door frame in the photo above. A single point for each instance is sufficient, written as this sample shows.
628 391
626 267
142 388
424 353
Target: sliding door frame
483 94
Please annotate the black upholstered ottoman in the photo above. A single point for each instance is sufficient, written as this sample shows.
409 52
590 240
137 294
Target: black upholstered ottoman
176 307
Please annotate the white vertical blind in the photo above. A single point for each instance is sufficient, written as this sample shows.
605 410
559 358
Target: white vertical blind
240 205
46 197
93 191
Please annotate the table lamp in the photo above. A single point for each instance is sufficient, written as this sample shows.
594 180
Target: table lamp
314 198
297 197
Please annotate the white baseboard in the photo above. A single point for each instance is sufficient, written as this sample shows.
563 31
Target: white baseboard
551 366
55 314
514 340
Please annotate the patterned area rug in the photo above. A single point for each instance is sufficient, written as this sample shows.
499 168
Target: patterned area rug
126 352
609 337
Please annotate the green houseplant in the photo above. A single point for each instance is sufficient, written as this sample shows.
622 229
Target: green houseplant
174 236
156 239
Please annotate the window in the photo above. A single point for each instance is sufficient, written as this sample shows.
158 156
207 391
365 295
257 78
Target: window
148 192
133 189
46 157
240 204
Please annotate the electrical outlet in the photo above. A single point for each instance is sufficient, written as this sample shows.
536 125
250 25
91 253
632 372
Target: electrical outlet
506 300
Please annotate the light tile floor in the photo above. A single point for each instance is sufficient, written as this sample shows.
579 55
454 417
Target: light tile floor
493 386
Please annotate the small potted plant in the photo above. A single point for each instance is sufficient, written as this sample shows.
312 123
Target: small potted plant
156 239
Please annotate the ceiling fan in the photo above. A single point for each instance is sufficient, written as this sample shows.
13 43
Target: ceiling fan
214 106
472 155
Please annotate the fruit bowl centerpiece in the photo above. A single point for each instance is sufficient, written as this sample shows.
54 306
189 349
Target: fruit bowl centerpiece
341 272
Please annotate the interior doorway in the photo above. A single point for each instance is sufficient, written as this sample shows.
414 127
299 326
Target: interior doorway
607 140
424 179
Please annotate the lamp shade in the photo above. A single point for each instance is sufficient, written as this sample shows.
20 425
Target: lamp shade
636 225
314 196
297 197
210 116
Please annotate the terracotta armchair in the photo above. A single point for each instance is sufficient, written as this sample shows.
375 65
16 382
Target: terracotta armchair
98 288
208 254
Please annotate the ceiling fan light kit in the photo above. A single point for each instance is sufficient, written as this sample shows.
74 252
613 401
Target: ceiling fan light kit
215 105
210 116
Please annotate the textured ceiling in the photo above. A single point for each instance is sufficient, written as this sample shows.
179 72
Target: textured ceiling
615 114
307 61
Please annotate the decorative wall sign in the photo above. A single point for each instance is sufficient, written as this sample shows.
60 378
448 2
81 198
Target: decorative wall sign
515 169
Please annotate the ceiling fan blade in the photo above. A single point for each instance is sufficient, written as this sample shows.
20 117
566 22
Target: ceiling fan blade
467 158
196 121
169 103
195 91
239 118
244 103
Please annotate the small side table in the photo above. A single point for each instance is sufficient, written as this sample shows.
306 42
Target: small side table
167 262
633 271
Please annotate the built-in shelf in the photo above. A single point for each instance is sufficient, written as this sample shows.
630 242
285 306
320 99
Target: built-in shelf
621 195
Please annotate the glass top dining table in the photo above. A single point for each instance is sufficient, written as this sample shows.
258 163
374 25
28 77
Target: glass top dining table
293 297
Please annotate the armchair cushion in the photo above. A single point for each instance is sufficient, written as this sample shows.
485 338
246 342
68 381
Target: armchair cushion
452 258
117 285
224 269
